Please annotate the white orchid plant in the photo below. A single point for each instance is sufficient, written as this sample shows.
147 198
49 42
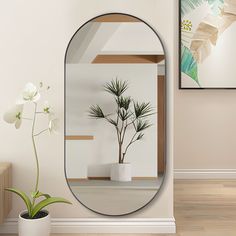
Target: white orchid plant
31 95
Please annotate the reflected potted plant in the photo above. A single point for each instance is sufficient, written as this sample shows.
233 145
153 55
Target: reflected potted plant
128 113
35 221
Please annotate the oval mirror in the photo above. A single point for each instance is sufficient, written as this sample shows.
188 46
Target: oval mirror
115 114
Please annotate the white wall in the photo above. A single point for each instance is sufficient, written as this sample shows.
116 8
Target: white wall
84 87
112 38
34 37
139 39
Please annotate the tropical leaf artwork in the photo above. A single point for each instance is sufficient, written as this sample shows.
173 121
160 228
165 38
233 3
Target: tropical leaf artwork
216 6
186 25
200 34
189 64
228 14
204 37
189 5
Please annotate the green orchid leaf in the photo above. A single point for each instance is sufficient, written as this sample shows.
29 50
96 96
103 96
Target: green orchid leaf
46 202
39 194
33 194
189 64
42 195
24 197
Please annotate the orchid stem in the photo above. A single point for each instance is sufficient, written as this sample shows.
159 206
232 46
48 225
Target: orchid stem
41 132
35 152
24 118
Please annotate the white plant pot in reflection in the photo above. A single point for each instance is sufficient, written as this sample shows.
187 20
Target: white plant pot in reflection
121 172
34 227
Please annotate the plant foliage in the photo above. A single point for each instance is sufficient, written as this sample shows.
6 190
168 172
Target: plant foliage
141 125
31 207
96 112
123 102
116 87
143 109
126 113
31 95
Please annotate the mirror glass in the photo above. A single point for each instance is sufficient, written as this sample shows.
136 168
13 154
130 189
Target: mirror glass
115 114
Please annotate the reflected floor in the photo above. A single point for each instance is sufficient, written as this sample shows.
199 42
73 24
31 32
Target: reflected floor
115 198
138 184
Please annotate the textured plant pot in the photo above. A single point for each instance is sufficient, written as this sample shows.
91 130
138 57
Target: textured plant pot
34 227
121 172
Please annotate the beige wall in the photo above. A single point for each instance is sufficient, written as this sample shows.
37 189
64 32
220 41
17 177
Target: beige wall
205 125
34 37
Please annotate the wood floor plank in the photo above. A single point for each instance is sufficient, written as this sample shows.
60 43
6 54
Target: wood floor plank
202 208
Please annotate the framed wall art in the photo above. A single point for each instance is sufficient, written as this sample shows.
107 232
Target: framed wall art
207 48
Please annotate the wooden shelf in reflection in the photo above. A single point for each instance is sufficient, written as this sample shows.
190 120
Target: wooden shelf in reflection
79 137
128 59
116 18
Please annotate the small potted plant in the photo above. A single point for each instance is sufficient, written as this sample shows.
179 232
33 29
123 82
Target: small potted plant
35 220
127 113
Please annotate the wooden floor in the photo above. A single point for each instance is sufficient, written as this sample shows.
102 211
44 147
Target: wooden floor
202 208
205 208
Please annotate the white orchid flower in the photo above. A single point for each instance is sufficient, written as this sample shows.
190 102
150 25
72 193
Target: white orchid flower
29 94
14 115
53 125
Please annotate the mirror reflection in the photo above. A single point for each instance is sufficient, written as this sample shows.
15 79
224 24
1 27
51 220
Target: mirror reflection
115 114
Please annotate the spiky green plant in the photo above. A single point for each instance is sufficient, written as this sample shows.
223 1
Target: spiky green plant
127 113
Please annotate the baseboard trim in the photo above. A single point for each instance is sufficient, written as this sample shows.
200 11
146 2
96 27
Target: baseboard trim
108 178
102 225
205 173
